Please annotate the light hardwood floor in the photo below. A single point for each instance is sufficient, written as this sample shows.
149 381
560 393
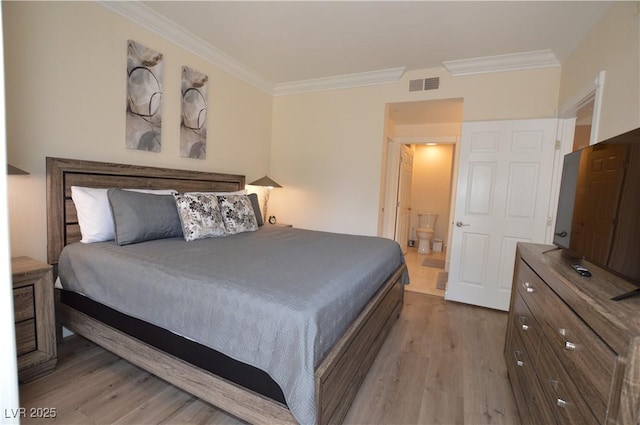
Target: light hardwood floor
441 364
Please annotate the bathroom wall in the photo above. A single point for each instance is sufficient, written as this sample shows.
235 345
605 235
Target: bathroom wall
431 186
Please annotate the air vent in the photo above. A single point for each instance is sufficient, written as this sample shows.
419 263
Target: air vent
416 85
432 83
424 84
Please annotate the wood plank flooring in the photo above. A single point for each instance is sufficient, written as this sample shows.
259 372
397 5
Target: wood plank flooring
441 364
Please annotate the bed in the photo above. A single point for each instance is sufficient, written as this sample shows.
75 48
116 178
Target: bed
183 356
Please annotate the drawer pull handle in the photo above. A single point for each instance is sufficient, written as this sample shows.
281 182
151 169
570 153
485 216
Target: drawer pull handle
523 321
567 344
527 286
519 362
561 403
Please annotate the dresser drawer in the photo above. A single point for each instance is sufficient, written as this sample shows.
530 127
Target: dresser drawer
589 360
26 336
538 412
533 290
525 325
583 353
559 392
520 369
23 303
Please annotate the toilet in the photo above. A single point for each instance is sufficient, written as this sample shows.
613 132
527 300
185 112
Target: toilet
427 223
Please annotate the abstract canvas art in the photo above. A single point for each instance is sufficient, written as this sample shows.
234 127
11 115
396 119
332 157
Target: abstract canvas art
144 98
193 126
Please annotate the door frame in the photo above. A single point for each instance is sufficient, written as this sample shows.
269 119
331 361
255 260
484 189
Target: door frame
392 176
590 92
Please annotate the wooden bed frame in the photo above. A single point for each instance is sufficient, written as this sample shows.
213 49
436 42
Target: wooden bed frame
339 375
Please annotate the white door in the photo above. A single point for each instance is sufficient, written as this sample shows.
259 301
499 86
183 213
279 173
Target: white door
504 189
403 213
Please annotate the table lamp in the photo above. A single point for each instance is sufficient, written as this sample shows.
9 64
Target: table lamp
267 184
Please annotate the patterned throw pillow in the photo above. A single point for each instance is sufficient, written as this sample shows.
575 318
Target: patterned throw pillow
200 216
237 214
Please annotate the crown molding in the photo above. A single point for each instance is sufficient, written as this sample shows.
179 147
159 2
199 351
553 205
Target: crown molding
500 63
371 78
147 18
151 20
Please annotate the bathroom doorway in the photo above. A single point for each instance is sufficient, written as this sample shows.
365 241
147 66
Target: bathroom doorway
431 129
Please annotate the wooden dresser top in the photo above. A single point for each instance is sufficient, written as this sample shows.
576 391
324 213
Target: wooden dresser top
590 297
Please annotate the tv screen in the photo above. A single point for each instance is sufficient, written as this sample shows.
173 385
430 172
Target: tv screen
598 216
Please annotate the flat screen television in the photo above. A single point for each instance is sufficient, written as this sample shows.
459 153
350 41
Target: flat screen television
598 216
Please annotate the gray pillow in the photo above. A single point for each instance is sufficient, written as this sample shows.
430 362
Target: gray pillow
255 203
139 217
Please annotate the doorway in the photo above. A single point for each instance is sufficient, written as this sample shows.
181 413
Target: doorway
430 129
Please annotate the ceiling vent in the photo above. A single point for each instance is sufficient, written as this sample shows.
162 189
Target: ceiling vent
424 84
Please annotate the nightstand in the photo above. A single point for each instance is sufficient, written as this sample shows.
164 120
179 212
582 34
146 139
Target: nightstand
34 317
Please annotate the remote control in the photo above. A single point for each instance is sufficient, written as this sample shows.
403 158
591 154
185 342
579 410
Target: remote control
581 270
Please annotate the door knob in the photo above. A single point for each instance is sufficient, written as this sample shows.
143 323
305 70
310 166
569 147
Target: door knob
461 224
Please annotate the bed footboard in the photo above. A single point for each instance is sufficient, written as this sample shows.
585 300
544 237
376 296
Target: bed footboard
341 373
338 377
228 396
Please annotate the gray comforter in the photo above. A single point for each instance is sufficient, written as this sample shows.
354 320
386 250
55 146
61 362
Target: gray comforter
276 299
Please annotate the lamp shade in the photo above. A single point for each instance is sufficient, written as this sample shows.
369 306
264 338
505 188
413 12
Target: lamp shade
12 171
264 181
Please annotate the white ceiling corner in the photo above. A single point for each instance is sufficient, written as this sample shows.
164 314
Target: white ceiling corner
295 47
500 63
147 18
151 20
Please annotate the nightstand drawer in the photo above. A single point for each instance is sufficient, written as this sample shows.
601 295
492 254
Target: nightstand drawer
23 302
26 336
34 316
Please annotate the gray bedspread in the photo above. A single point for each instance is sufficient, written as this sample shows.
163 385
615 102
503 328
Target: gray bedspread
276 299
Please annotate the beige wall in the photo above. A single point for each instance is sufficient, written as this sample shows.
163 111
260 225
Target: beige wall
327 148
65 79
613 46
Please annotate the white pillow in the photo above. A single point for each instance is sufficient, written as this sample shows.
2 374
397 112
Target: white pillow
94 212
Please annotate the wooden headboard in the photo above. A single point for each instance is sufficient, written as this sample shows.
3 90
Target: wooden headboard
62 221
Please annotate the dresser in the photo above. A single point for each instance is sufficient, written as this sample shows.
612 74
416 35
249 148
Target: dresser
34 317
572 354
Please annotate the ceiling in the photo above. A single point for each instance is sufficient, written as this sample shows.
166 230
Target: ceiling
286 42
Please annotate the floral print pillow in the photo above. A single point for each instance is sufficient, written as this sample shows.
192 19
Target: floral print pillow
237 213
200 216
